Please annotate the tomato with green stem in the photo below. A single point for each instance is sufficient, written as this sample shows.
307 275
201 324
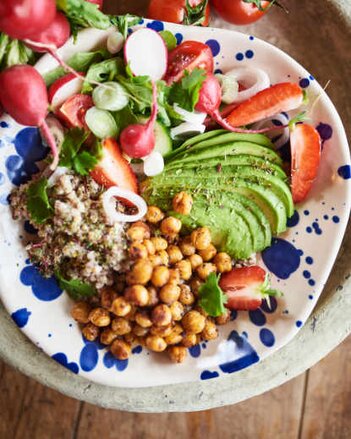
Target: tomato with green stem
194 12
242 12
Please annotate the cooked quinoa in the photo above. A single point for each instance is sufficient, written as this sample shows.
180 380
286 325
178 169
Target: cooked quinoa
77 241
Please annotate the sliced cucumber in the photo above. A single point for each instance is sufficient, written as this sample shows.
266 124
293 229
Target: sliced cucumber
162 137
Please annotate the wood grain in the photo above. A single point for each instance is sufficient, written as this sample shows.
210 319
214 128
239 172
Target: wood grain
138 7
328 402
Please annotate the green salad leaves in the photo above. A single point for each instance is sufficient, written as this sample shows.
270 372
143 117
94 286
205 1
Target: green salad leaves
38 204
212 298
186 92
74 287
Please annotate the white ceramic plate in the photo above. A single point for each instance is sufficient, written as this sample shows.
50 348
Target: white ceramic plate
300 260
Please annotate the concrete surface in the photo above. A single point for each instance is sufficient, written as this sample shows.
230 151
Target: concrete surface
317 34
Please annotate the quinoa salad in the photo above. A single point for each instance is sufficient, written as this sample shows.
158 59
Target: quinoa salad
164 182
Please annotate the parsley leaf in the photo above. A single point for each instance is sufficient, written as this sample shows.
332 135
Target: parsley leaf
38 204
81 13
124 22
212 298
74 287
73 157
103 71
186 92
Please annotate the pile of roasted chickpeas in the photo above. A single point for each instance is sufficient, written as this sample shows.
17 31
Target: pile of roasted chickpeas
155 304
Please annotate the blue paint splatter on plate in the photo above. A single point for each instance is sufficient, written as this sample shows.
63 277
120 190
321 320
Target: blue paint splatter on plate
61 358
21 317
345 172
245 354
208 375
45 289
282 258
267 337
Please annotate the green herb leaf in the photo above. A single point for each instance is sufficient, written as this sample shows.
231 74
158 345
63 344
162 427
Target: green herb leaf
75 288
81 13
186 92
124 118
124 22
195 15
169 39
72 155
38 204
103 71
14 52
212 298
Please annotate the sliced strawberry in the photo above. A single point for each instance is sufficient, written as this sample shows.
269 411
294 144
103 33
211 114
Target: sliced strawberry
72 112
305 144
113 169
245 287
285 96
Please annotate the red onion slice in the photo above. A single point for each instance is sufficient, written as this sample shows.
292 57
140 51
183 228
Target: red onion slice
109 204
254 80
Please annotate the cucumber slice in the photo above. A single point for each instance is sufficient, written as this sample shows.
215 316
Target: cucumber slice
162 137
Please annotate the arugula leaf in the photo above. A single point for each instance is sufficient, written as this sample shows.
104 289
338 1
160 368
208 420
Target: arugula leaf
169 39
38 204
80 62
81 13
124 118
186 92
74 287
103 71
212 298
140 90
124 22
71 155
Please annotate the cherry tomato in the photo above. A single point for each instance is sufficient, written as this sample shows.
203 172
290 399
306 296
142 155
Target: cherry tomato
239 11
72 112
177 11
188 56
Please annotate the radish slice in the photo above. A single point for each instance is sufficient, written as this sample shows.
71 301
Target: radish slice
146 53
64 88
115 42
254 80
194 117
279 139
109 205
186 129
153 164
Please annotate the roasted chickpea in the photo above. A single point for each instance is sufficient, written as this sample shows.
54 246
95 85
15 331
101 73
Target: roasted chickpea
223 262
149 247
182 203
143 319
100 317
140 273
186 296
184 268
163 255
154 215
90 332
199 309
193 322
80 312
120 307
120 283
174 253
171 226
107 336
159 243
160 276
169 293
121 326
138 231
137 250
137 295
224 318
155 343
161 315
201 238
210 331
132 338
205 270
120 349
131 315
174 276
189 340
177 310
107 296
155 260
139 331
195 285
195 261
161 331
209 253
187 247
153 296
173 338
177 354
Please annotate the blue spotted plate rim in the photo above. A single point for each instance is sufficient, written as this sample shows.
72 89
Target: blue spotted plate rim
300 260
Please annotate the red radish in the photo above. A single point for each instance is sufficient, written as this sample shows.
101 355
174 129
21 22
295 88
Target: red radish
138 140
99 3
281 97
113 169
146 53
245 287
72 112
24 96
56 34
305 144
22 19
63 89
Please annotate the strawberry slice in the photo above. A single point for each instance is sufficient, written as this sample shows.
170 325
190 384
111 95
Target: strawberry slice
246 287
113 169
285 96
305 144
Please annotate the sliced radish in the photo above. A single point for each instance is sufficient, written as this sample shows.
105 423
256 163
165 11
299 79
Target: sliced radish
194 117
63 89
253 79
153 164
146 53
187 129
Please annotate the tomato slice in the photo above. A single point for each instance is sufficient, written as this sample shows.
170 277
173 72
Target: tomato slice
239 11
73 111
188 56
